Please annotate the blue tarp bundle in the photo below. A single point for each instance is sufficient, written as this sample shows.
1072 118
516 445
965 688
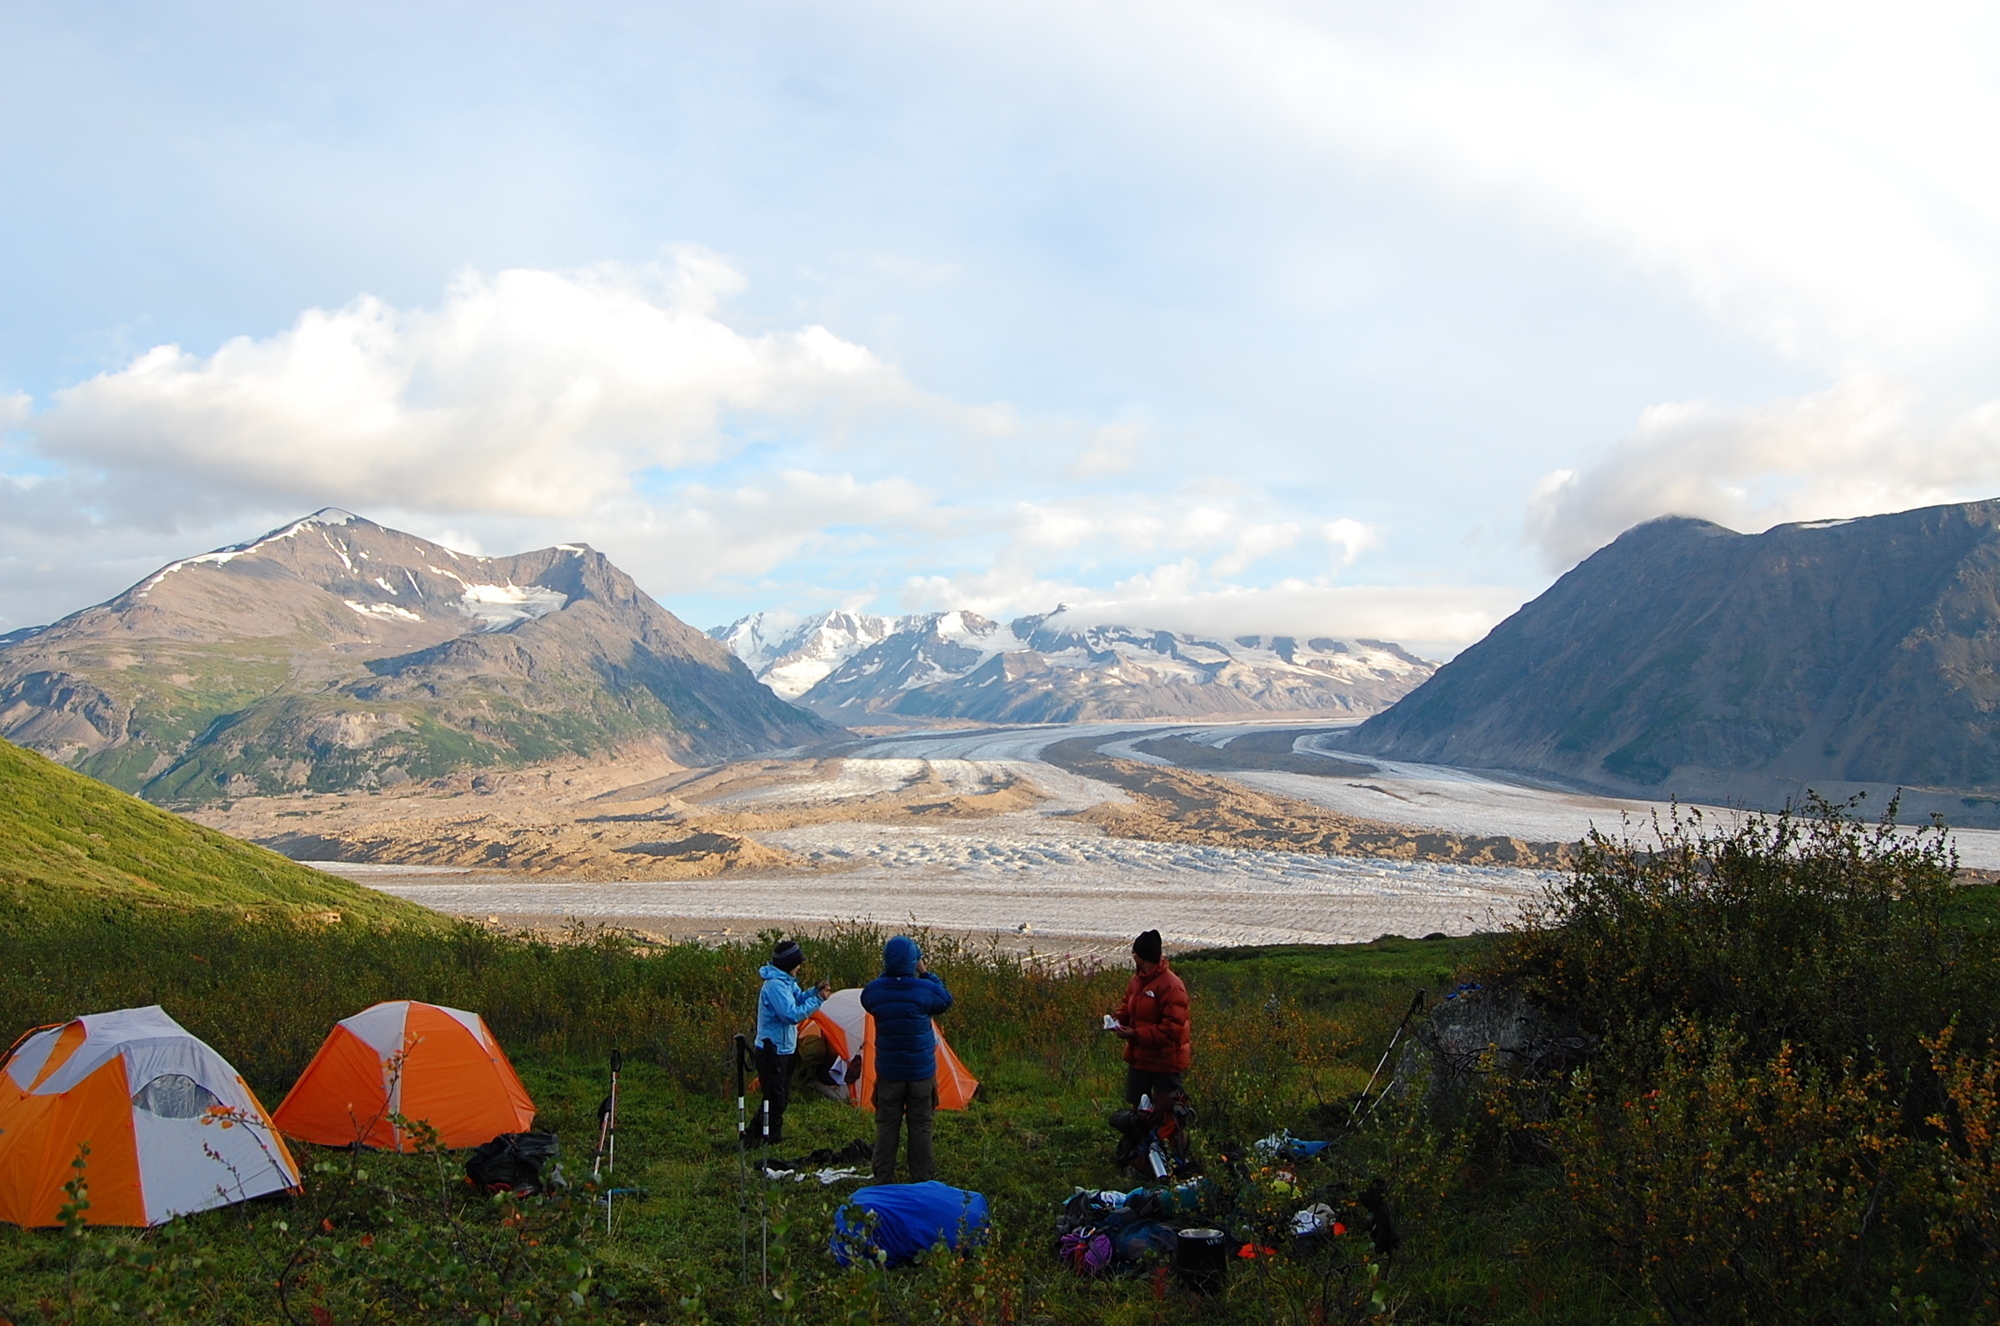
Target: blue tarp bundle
909 1218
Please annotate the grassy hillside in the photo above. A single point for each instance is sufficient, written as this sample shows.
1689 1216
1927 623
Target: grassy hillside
66 840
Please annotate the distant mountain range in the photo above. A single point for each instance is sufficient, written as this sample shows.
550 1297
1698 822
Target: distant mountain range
335 653
858 670
1686 658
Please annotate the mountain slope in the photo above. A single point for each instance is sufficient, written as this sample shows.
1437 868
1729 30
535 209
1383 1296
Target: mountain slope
1049 669
67 839
335 653
1688 658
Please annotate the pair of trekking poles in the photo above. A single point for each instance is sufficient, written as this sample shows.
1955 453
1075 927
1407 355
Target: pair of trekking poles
744 1063
605 1159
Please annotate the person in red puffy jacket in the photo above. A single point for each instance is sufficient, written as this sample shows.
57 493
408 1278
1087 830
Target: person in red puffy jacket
1153 1023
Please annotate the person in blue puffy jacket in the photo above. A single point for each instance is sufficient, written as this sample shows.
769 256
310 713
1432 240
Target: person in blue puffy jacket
781 1006
903 1000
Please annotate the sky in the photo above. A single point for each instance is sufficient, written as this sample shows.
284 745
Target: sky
1238 317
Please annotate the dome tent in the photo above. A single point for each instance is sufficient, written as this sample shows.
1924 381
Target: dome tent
411 1060
172 1128
849 1031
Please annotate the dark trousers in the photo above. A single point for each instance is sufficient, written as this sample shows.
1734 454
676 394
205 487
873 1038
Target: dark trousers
895 1102
774 1078
1139 1083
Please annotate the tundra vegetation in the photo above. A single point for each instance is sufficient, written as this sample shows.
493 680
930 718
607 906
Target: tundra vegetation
1788 1109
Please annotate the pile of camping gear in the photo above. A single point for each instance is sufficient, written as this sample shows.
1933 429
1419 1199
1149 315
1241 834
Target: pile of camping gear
1274 1199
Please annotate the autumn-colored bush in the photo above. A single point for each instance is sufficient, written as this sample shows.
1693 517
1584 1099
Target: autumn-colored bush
1812 929
1741 1188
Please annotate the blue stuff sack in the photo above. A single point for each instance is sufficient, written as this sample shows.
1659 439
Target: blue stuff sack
909 1218
1147 1243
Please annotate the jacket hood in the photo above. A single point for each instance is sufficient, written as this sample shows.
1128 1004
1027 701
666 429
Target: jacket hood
767 971
899 957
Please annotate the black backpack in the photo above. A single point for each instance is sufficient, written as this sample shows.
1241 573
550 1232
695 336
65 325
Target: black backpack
1153 1144
512 1160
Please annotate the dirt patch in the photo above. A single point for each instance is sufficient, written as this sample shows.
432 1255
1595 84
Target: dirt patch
598 822
616 851
1176 805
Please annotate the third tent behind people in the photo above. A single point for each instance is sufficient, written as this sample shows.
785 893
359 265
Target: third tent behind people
1153 1023
903 1000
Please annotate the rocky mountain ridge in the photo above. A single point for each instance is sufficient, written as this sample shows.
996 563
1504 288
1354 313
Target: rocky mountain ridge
1687 659
335 653
1051 668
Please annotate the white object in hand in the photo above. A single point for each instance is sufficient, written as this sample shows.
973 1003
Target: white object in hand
1111 1022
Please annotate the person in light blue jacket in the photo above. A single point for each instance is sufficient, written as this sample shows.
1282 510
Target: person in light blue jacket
781 1006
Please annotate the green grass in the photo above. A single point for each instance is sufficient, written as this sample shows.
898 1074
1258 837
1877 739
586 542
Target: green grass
70 843
1586 1199
1304 1024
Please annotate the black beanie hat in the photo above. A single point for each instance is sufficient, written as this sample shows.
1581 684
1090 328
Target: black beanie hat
1147 946
788 955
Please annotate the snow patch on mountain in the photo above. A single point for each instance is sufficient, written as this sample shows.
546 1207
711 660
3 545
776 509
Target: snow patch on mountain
382 610
499 606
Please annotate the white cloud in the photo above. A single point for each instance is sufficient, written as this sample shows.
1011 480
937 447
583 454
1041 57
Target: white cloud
1435 621
702 535
1253 543
523 393
1858 449
1350 538
1802 171
1112 450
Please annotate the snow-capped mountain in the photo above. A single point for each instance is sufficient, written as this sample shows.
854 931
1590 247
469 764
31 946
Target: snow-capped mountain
1050 669
334 653
790 654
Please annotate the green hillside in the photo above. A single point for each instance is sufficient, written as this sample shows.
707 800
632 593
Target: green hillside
66 839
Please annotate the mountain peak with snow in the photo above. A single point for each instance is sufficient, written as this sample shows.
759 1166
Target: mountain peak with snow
958 665
335 653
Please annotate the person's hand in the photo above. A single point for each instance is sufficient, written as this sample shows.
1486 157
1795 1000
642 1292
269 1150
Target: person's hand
823 989
1125 1033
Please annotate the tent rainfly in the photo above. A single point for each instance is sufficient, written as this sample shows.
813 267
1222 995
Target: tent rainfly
850 1033
171 1128
404 1059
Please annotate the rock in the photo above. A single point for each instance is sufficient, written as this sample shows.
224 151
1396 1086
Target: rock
1450 1047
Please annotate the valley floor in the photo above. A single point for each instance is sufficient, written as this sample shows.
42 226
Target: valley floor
994 833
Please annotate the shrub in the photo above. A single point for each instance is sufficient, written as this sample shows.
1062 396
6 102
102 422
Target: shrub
1734 1188
1811 930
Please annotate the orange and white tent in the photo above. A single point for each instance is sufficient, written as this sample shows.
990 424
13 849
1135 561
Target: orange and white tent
850 1032
416 1061
172 1128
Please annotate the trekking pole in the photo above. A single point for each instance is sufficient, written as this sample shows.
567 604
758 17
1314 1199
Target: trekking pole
607 1136
764 1188
1416 1006
742 1048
